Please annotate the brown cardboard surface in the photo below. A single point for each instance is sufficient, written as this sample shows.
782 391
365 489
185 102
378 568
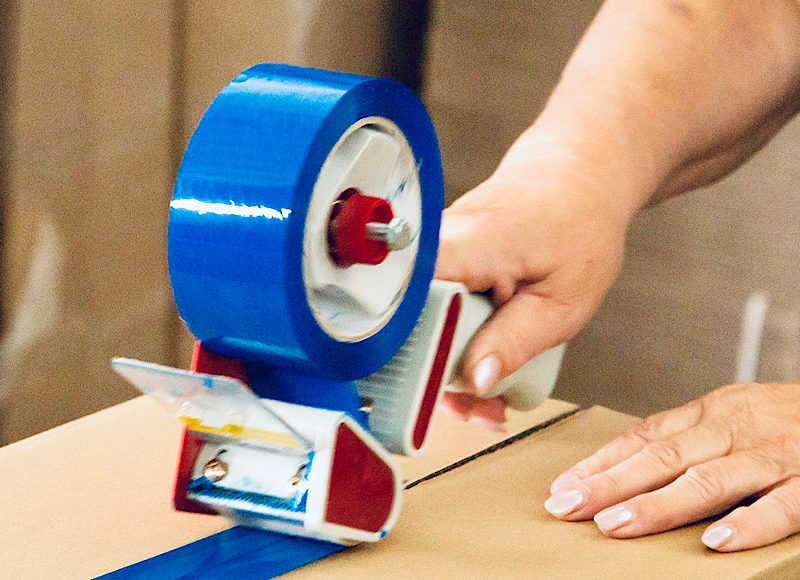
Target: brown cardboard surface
486 520
452 439
94 495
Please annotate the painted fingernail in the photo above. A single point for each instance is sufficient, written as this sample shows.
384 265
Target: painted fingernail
613 518
486 374
563 503
715 536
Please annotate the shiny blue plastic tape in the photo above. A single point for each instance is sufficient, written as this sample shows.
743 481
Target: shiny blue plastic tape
238 553
267 381
239 209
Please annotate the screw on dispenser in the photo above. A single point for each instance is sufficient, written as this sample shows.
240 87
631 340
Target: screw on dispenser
215 469
396 234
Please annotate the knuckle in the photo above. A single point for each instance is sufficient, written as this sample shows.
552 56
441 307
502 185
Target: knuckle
643 432
725 397
632 439
788 504
784 445
709 484
649 426
732 408
609 483
664 455
775 457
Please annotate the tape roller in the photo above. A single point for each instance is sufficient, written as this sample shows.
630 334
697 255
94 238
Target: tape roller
302 240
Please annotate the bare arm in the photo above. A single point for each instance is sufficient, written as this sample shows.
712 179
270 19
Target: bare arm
659 97
670 95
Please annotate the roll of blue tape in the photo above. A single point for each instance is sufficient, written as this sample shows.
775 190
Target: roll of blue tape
239 211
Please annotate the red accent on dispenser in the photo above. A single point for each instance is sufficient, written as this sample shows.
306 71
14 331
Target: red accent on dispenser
347 236
437 373
362 486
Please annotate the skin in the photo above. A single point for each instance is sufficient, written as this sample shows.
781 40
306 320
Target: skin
659 98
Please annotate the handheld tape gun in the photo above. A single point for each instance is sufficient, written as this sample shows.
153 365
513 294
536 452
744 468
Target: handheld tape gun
302 239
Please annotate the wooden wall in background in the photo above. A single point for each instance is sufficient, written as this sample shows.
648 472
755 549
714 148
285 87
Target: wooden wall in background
100 99
670 327
6 50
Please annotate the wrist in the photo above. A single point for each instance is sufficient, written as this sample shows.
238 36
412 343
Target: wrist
599 164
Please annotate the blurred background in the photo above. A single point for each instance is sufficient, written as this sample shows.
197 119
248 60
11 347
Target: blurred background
98 100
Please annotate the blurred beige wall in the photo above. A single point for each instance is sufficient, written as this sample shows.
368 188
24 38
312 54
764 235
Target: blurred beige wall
85 204
102 98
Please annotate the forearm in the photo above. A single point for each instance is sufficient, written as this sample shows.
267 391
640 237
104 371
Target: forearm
661 97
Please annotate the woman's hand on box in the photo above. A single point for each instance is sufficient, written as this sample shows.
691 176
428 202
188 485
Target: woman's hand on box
736 444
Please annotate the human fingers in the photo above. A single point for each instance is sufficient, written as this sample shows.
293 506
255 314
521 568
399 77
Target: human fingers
458 403
488 413
704 490
452 261
772 517
654 428
654 466
523 327
465 255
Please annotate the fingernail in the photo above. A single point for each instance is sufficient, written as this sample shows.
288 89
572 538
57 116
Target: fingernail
486 374
487 424
715 536
457 415
565 480
613 518
564 502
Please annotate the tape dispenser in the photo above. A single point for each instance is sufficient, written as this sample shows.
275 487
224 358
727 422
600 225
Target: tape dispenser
302 239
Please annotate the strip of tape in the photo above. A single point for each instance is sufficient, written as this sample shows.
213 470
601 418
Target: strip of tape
240 553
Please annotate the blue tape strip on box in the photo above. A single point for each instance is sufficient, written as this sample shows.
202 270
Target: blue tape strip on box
240 553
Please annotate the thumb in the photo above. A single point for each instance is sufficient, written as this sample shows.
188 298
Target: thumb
523 327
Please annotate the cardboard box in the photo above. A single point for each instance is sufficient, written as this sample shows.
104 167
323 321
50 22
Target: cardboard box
94 495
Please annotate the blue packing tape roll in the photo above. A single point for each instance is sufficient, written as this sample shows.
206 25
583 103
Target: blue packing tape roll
235 240
267 381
